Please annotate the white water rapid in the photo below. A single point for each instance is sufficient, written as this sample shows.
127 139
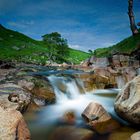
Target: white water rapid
65 88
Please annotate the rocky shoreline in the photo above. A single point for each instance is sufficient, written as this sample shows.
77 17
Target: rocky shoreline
21 92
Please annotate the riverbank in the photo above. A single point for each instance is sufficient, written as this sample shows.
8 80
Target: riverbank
43 92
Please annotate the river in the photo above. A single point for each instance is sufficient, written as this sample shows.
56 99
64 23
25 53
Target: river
69 98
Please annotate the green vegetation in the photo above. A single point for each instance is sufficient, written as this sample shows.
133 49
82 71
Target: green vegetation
57 46
15 46
126 46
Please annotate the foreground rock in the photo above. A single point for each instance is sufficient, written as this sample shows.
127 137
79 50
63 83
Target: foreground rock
14 97
43 90
39 87
71 133
123 133
136 136
12 125
98 119
127 104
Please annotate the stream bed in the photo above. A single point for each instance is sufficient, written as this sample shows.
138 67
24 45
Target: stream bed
49 123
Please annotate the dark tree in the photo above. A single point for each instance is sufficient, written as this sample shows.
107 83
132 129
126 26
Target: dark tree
133 26
57 46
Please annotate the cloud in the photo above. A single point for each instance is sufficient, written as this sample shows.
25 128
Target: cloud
86 24
20 24
74 46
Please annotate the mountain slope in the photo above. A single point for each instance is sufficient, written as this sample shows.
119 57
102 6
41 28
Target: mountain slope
19 47
127 45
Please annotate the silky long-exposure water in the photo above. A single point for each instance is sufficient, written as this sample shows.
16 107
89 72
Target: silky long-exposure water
68 99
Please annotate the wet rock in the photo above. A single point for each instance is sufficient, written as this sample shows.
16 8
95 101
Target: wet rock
12 125
136 136
92 81
98 119
123 133
43 90
71 133
39 101
69 117
127 104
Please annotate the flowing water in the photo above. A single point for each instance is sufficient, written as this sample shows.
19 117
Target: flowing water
70 96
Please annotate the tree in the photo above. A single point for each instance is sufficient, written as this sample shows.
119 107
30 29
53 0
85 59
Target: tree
57 46
133 26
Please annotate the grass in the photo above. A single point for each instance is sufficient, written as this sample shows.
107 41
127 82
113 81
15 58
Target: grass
16 46
126 46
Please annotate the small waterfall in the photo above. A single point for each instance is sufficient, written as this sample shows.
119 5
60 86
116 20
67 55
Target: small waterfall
120 81
65 88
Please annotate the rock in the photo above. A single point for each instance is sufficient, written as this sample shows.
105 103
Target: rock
12 125
13 96
6 64
43 90
26 84
69 117
92 81
127 103
138 71
129 73
101 62
136 136
23 132
85 63
39 101
116 61
123 133
71 133
98 119
4 73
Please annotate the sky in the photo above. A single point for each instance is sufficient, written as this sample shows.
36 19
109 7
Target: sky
86 24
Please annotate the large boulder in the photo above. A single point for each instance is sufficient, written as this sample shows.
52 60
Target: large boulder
98 118
43 90
127 103
92 81
12 125
136 136
71 133
15 97
123 133
40 88
102 62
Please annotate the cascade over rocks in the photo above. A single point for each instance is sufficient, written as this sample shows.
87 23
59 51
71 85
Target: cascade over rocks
127 103
119 67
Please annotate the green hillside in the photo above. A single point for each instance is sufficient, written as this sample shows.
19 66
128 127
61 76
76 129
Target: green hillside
126 46
19 47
